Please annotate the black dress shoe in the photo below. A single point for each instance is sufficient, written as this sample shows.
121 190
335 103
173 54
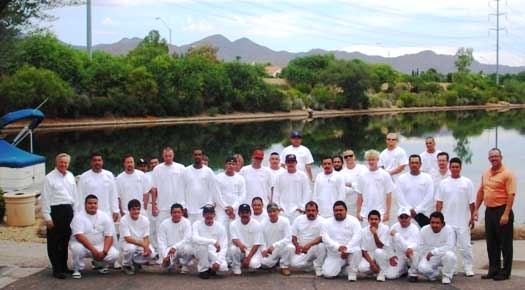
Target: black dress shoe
412 279
59 275
204 275
501 277
68 271
488 276
211 272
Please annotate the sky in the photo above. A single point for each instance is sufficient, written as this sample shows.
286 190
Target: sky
374 27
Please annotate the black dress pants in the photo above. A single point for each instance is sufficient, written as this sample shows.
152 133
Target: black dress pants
499 240
58 236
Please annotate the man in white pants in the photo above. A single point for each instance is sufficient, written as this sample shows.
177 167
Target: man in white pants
277 240
436 249
210 244
247 239
134 238
199 186
351 172
258 178
174 237
275 168
341 235
259 212
456 198
167 188
292 189
93 233
375 245
405 237
231 193
131 184
329 187
306 238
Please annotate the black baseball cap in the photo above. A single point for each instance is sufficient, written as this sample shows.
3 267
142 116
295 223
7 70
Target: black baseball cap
290 158
142 162
244 208
295 134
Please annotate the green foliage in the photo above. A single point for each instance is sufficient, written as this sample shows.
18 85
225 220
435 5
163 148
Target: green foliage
148 49
464 59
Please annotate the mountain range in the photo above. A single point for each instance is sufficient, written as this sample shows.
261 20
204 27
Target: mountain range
251 52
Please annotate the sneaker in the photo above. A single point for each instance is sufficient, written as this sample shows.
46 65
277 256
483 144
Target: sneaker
97 265
412 279
117 266
103 270
184 269
285 271
318 272
236 270
129 270
204 275
380 277
469 273
76 275
352 277
445 280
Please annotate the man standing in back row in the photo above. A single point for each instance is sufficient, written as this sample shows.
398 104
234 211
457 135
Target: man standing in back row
304 156
394 158
497 191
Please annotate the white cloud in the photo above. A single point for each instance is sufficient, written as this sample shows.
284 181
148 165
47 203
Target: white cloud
196 26
110 22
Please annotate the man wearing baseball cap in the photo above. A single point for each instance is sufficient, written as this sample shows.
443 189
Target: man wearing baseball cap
247 239
304 156
405 237
258 178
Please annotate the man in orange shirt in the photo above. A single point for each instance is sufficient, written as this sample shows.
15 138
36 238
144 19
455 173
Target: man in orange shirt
497 191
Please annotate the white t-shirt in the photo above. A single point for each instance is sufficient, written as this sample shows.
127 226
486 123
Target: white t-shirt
260 218
437 243
346 232
94 227
456 194
429 161
58 189
250 234
416 192
374 186
173 235
327 190
367 239
278 234
306 230
404 238
437 178
208 235
258 183
170 186
352 176
302 153
391 159
291 191
232 192
102 185
274 174
199 188
136 229
132 186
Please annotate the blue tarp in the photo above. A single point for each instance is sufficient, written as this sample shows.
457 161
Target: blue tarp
36 115
14 157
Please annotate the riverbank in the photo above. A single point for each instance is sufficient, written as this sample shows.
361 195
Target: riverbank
59 124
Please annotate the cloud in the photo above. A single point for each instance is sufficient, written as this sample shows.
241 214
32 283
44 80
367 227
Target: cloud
110 22
196 26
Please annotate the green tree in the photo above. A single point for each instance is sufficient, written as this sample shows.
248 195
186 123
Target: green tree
204 50
148 49
464 59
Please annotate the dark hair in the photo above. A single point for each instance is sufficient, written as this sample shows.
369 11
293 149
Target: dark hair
176 205
95 154
337 156
495 149
274 153
442 154
375 212
128 155
340 202
455 160
326 157
90 196
133 203
197 149
311 203
257 198
439 215
415 156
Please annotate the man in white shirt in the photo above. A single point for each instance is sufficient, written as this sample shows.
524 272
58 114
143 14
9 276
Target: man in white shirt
292 189
374 189
231 193
259 213
58 201
277 240
375 247
240 162
405 237
210 243
415 191
429 156
329 187
167 187
134 238
258 178
394 158
304 156
93 233
351 172
337 160
131 184
152 163
436 249
275 169
247 238
174 235
306 239
456 198
199 186
442 173
101 183
341 235
142 165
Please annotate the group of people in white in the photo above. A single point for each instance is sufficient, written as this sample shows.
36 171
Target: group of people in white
254 216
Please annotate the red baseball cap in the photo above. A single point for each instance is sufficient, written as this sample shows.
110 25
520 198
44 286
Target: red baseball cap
258 154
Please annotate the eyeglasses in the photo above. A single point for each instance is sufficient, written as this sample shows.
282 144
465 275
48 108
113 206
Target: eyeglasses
348 156
391 139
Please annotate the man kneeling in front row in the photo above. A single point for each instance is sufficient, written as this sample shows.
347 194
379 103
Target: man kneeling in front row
247 238
93 238
134 239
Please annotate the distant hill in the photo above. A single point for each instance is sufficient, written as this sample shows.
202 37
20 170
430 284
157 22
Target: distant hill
251 52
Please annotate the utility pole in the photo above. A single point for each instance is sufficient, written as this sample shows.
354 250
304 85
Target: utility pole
497 29
88 33
165 24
